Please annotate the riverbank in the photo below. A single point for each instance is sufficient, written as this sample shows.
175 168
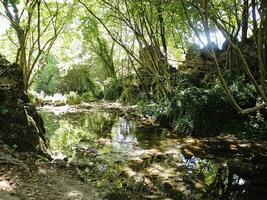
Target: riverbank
26 176
129 159
103 151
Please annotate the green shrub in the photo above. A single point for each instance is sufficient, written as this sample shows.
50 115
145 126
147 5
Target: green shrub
201 109
88 97
243 92
48 78
131 94
32 98
208 111
255 127
73 98
100 95
161 110
98 92
189 79
113 90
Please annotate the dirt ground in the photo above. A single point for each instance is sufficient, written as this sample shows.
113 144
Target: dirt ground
24 177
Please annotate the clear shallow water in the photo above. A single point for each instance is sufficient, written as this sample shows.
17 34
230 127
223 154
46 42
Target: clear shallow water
129 160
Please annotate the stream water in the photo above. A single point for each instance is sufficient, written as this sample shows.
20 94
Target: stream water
130 160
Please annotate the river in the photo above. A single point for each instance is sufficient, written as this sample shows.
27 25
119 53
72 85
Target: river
128 159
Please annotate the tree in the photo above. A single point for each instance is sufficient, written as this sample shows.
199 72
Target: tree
145 25
36 24
48 77
84 83
212 17
95 42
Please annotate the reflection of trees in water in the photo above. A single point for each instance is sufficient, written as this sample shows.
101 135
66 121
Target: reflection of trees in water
99 123
67 130
220 181
151 136
94 122
124 131
50 122
193 176
123 135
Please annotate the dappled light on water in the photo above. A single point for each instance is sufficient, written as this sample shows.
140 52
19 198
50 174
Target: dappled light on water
129 160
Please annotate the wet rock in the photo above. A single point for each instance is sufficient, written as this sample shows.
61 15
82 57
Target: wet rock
81 159
21 125
103 141
60 163
85 105
59 103
82 163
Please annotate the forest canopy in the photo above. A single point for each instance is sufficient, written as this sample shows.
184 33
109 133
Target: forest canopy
142 50
133 99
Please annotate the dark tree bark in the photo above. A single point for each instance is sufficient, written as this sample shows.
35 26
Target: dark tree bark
245 20
20 122
162 28
264 18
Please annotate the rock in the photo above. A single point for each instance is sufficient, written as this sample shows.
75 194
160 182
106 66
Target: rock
21 125
84 105
59 103
82 163
60 163
103 141
81 159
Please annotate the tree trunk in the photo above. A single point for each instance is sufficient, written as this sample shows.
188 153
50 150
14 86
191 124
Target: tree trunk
245 17
264 14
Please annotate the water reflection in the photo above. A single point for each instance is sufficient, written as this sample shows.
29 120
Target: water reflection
123 135
66 132
128 160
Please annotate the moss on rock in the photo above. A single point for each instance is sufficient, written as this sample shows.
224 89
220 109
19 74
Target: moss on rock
21 125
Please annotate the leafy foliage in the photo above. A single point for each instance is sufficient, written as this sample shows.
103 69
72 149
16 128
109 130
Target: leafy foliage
102 51
87 97
73 98
78 79
48 78
113 90
201 109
